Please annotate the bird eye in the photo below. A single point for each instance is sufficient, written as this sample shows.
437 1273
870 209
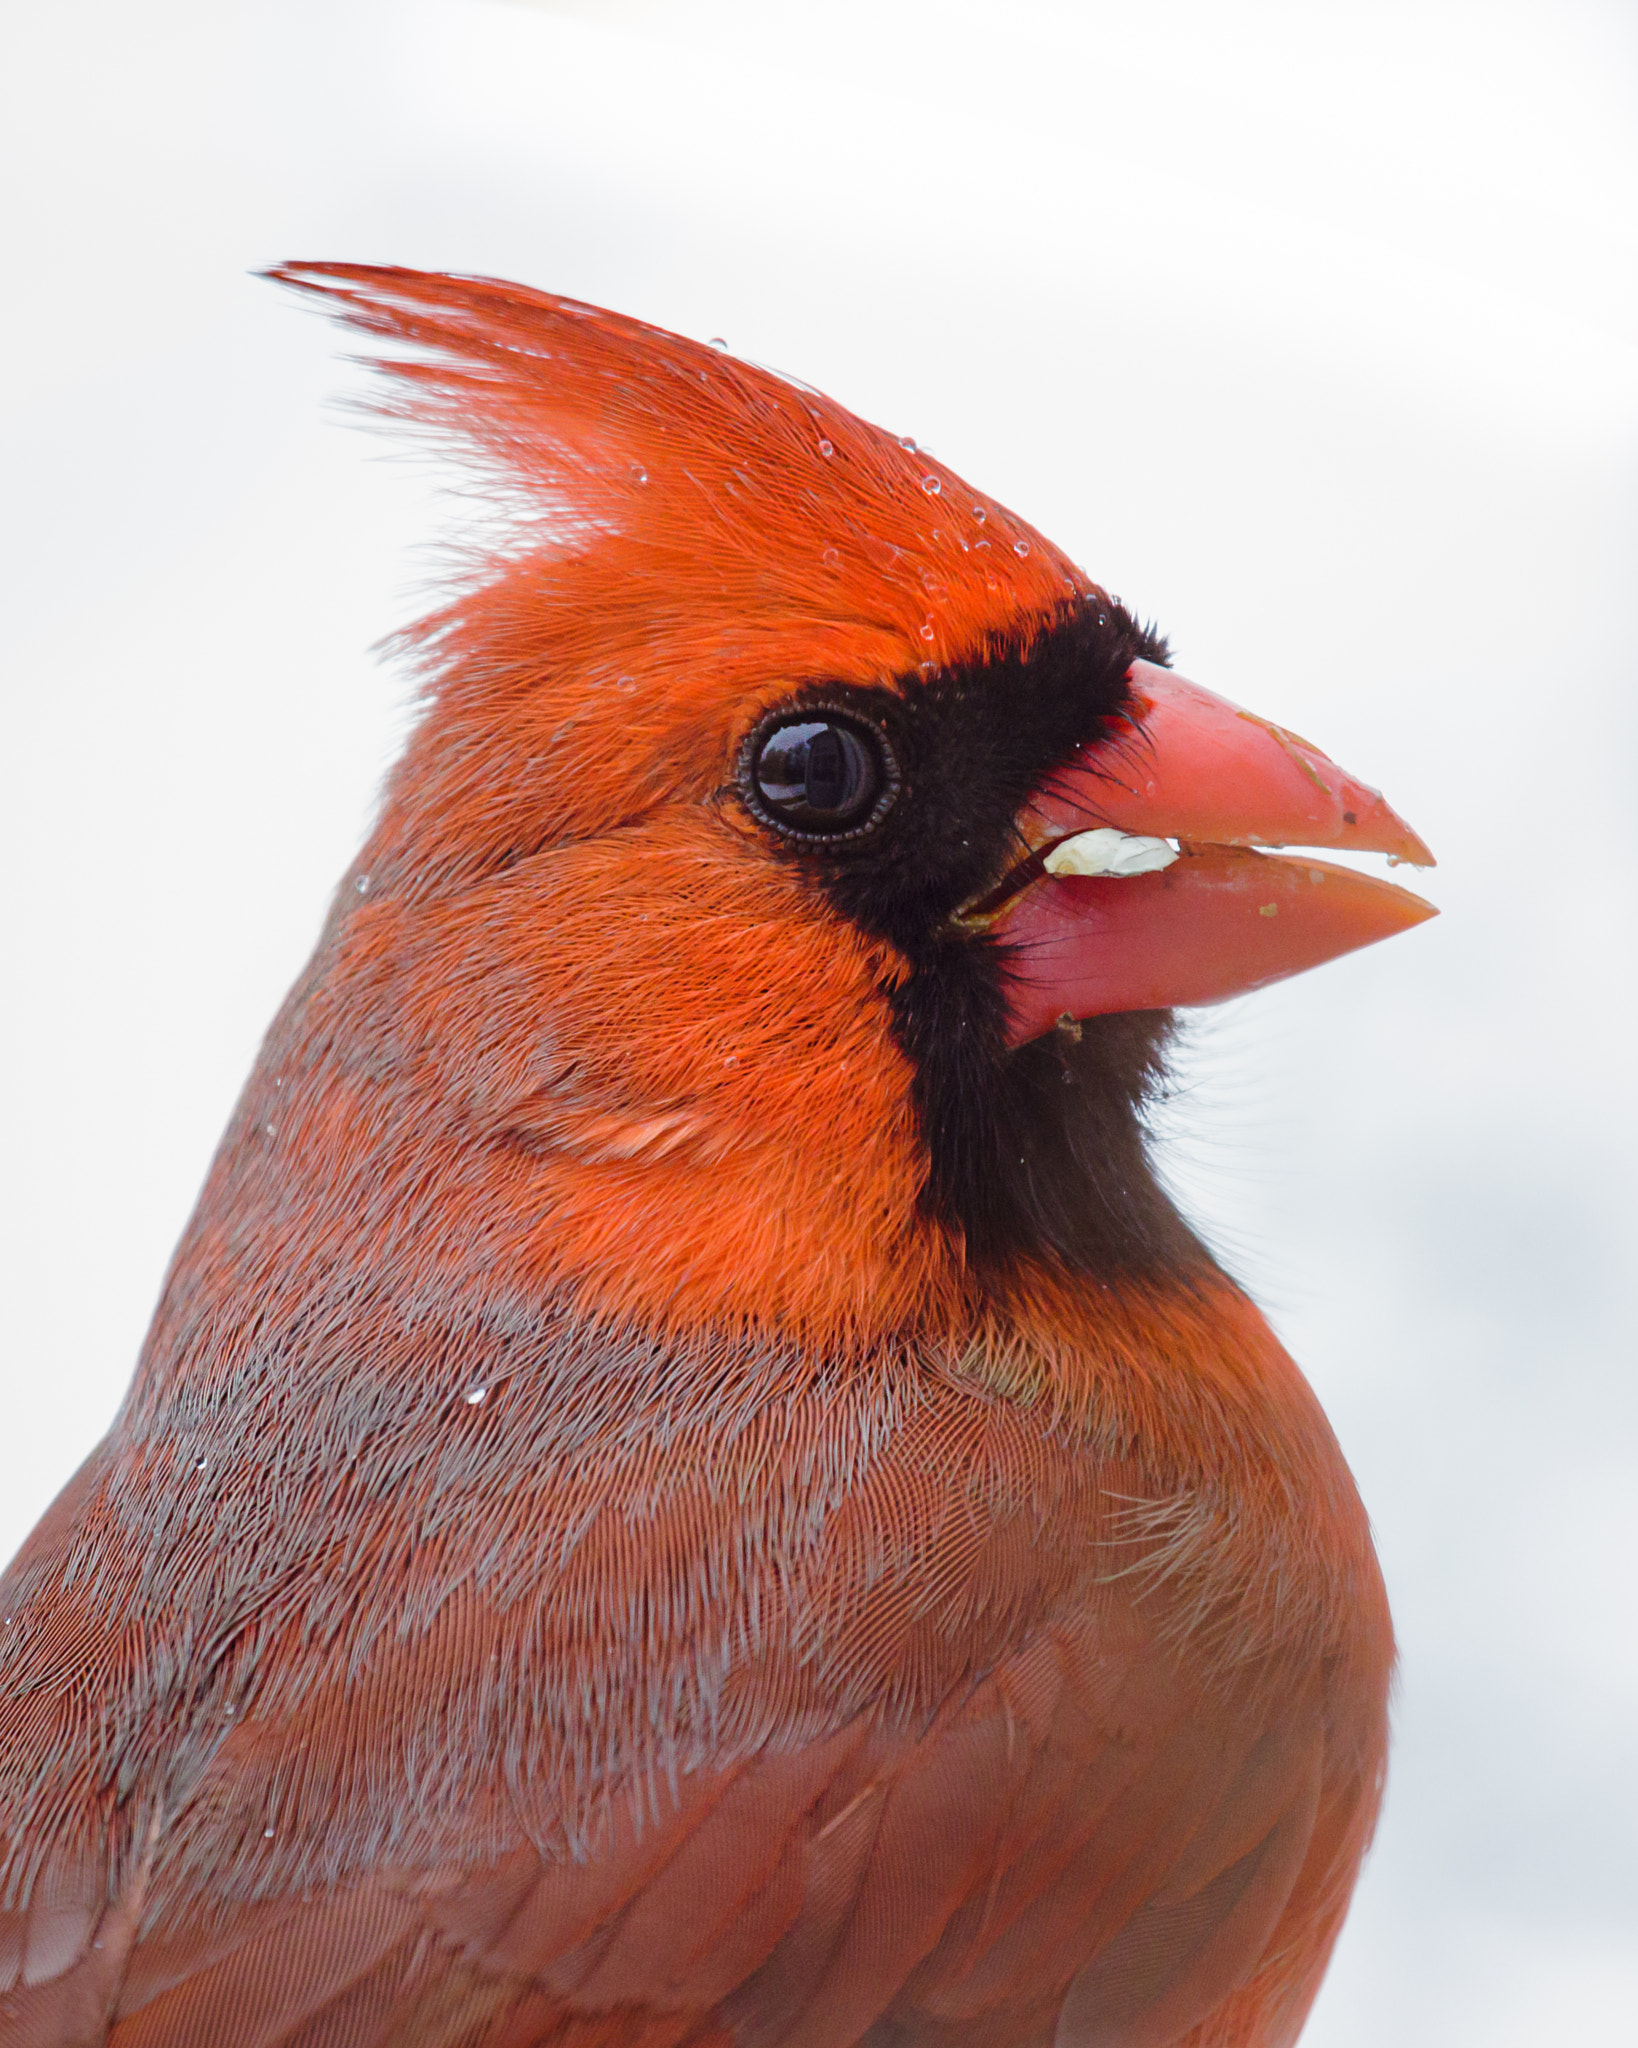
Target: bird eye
820 775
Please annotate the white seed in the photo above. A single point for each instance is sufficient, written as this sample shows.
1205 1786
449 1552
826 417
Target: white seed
1108 852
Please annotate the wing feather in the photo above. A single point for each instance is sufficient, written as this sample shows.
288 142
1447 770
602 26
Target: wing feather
975 1787
1053 1851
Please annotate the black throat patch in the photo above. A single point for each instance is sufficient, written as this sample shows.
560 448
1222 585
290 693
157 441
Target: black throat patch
1042 1149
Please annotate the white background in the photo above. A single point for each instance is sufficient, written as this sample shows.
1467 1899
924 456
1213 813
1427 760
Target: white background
1312 331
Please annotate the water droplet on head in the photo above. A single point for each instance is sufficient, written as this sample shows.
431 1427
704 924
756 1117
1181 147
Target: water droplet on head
906 443
362 885
718 341
268 1131
927 630
1020 547
980 514
825 448
625 684
931 485
639 475
475 1393
267 1834
833 558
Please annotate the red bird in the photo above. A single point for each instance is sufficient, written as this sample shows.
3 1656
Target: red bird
688 1487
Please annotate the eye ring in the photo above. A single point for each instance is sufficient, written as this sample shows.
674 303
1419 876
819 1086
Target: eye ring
830 784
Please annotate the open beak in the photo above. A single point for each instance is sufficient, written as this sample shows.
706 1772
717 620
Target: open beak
1143 888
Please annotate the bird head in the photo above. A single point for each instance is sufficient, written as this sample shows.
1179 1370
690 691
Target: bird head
781 902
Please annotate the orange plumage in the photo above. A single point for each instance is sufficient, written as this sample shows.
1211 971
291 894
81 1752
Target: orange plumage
632 1527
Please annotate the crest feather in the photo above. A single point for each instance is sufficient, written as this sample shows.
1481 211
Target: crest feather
693 538
753 493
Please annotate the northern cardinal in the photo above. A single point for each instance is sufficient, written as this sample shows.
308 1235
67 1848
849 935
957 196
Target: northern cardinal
688 1487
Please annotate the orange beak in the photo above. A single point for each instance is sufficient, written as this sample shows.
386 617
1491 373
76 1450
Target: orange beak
1217 918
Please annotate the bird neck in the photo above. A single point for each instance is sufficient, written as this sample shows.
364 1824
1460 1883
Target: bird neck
359 1186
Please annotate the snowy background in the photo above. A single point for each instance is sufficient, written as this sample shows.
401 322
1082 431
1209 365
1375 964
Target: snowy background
1312 331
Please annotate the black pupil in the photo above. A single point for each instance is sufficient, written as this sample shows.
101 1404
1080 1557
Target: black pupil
818 773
